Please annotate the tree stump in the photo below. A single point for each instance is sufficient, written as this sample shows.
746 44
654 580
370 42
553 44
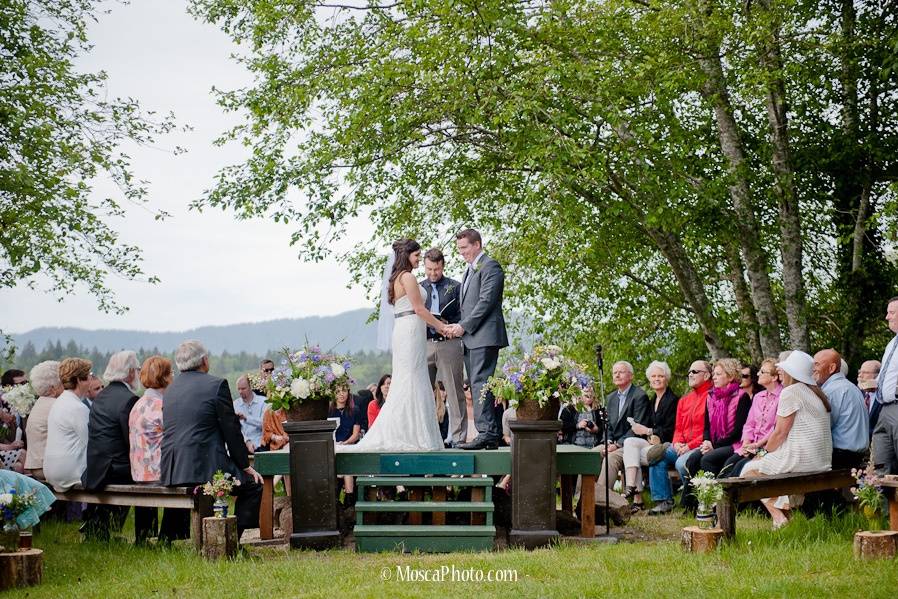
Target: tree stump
701 540
219 537
21 569
875 544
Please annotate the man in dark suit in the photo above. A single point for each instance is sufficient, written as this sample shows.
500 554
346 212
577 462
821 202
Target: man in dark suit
108 449
627 401
202 434
445 356
482 330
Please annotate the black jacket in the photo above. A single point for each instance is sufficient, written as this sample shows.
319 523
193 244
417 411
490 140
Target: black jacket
664 417
450 303
201 432
742 409
636 406
108 447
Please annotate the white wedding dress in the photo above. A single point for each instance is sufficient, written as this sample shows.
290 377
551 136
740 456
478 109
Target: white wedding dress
408 419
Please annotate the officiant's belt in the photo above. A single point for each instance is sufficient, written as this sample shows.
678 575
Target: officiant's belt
406 313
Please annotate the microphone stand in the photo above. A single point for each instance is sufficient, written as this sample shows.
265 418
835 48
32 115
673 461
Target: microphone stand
603 417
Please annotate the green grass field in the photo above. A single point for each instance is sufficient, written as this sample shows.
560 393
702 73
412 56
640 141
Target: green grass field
811 557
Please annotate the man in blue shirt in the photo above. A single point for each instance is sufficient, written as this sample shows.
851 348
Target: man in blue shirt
849 422
249 408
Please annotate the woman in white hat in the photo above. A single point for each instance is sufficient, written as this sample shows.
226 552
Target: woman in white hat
801 440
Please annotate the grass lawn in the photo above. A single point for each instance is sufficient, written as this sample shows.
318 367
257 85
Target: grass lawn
810 557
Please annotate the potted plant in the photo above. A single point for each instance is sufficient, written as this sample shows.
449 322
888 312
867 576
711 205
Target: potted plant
12 505
536 384
708 492
219 488
306 381
868 494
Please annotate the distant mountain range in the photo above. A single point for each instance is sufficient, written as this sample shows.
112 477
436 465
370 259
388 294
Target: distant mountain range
347 333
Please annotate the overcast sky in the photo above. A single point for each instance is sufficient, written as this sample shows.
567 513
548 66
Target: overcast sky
214 269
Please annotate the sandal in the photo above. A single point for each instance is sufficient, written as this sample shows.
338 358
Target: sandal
636 508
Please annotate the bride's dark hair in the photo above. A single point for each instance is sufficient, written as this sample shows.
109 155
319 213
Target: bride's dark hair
402 248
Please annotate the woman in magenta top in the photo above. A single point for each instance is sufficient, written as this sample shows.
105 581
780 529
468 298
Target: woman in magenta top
145 421
760 421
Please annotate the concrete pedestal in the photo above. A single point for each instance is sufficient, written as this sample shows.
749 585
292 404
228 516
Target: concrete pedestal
533 475
313 478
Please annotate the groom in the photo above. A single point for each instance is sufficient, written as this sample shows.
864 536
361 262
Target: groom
482 329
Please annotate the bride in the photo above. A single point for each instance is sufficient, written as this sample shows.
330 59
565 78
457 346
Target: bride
407 421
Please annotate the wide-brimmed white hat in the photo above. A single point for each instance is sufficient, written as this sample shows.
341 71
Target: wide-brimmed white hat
800 366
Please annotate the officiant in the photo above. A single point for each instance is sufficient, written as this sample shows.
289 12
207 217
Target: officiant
445 357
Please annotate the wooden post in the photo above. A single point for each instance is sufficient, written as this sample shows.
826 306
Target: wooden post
478 494
220 537
202 508
588 506
21 569
415 494
439 494
726 515
701 540
266 509
370 517
568 484
893 509
875 545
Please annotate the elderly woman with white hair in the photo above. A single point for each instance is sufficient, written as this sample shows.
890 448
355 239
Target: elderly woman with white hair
46 383
801 440
659 430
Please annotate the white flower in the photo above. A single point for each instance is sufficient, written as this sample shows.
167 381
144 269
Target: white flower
550 363
5 498
337 369
300 388
554 349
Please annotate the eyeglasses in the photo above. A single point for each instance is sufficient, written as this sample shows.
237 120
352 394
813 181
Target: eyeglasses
746 376
699 372
268 370
465 387
767 372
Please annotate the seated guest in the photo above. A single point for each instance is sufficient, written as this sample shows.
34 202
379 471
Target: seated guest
45 382
108 449
688 432
725 418
801 440
273 434
202 434
266 367
471 432
760 421
749 381
568 417
586 431
850 420
12 448
627 402
439 397
96 385
380 396
65 456
663 415
348 432
365 397
868 383
249 408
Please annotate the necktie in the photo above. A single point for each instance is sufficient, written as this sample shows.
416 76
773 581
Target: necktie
468 272
434 300
883 370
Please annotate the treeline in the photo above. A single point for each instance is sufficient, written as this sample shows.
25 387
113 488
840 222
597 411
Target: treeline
367 366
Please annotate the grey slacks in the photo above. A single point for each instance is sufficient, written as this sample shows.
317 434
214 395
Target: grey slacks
446 362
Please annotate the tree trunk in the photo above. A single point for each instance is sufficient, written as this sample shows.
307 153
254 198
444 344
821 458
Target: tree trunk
736 275
756 261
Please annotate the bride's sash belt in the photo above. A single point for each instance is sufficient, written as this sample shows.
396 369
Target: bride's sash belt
406 313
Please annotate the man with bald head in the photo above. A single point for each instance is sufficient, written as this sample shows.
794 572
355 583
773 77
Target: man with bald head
848 420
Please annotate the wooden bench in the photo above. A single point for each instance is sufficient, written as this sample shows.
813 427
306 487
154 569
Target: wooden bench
147 495
890 487
743 490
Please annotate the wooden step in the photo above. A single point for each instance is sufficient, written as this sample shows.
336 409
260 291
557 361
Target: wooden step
399 530
426 464
430 539
415 481
423 506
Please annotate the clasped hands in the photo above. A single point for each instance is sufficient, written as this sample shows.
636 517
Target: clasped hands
451 331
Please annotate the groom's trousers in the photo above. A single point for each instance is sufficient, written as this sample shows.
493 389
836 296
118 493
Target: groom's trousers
445 362
480 362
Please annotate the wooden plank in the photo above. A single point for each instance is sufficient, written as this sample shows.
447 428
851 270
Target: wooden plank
422 531
439 496
447 544
137 489
395 481
793 484
430 463
478 494
129 499
568 485
726 515
367 517
588 506
415 495
423 506
266 509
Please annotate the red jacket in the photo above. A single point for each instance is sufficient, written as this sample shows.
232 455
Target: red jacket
690 426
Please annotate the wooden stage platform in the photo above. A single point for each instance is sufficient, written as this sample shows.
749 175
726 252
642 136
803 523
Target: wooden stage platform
571 460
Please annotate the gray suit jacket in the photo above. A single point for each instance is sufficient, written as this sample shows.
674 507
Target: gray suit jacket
481 306
636 406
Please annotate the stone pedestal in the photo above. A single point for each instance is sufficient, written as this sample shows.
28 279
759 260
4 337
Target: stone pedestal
313 479
533 475
220 537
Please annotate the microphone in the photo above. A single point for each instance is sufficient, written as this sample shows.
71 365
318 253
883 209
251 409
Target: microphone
599 357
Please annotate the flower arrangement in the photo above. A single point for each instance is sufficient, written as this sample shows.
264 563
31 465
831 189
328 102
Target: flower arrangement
868 491
12 505
706 488
305 375
541 375
20 397
221 485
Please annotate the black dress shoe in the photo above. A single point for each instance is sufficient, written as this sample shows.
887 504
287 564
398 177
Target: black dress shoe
479 443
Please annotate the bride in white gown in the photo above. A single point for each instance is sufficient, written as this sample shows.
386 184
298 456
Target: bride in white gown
407 421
